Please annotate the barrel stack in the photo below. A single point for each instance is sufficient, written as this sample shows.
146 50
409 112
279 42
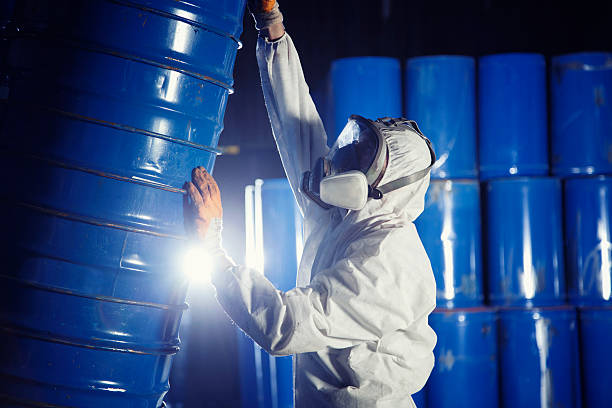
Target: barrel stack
581 155
440 94
524 236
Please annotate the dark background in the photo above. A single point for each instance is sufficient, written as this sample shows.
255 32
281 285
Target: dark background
322 31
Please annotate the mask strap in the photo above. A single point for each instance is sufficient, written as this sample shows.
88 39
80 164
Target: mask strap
377 193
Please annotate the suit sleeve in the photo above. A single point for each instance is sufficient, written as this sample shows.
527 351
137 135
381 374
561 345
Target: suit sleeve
296 125
367 294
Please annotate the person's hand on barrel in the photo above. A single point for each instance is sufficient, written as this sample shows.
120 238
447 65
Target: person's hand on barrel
203 216
201 204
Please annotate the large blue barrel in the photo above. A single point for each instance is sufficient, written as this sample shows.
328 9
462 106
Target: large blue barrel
111 105
440 96
273 244
366 86
588 239
513 137
538 358
581 117
596 359
524 244
466 356
450 230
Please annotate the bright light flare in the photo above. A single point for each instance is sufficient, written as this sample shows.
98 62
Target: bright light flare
197 265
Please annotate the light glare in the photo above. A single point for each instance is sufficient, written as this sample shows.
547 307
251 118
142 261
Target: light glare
197 266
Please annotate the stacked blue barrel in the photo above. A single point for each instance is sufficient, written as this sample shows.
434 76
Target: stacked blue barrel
273 245
523 233
366 86
441 97
581 155
111 104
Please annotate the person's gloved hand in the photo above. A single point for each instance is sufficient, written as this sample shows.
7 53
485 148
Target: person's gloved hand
202 204
203 215
268 18
261 6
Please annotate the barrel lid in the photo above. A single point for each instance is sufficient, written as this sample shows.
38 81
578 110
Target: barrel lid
584 61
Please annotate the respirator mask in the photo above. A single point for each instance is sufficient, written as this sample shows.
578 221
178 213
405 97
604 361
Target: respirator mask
355 165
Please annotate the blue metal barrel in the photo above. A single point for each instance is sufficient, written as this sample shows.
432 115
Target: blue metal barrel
513 137
366 86
450 230
523 242
466 357
273 244
440 96
538 358
588 239
596 359
581 117
111 105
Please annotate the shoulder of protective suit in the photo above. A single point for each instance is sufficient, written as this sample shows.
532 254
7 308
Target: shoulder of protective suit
395 254
399 238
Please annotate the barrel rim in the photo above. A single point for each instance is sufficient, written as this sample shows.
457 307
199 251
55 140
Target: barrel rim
453 180
440 57
595 308
521 179
535 58
513 310
199 24
471 310
341 62
101 298
92 344
575 178
561 58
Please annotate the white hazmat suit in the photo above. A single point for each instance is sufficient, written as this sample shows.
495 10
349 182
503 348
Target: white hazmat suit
357 320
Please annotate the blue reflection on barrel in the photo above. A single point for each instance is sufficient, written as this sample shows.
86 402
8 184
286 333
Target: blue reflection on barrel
538 358
450 230
524 246
466 357
440 96
274 244
513 136
366 86
596 359
111 104
581 117
588 236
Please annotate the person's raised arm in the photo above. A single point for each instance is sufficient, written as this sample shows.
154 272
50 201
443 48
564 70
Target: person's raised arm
296 125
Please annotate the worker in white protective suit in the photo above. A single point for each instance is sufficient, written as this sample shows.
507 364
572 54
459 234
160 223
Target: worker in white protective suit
357 320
